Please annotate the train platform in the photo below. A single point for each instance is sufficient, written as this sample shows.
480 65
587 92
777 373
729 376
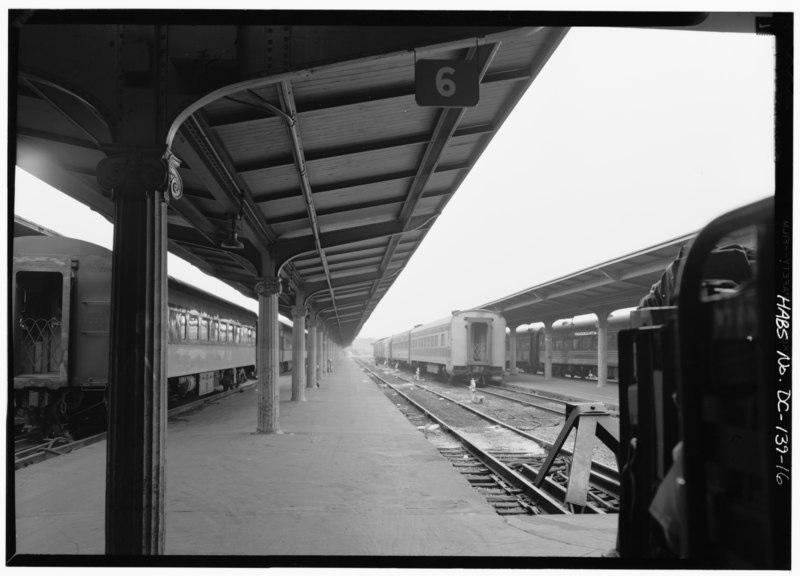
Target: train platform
348 476
573 389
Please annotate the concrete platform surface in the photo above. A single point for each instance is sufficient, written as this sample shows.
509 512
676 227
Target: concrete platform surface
574 388
348 475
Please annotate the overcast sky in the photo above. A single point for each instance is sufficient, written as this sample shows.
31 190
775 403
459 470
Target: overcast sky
626 139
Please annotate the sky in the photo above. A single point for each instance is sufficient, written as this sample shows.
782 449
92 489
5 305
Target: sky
626 139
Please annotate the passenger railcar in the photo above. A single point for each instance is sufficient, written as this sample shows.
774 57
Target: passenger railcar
61 289
574 347
380 350
285 331
211 342
470 343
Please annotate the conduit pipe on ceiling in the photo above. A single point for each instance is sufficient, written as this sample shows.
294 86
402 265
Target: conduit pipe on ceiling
290 119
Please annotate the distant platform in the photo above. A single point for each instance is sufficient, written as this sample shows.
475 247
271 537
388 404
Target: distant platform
569 388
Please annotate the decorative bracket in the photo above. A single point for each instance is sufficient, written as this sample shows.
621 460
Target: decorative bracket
268 286
144 168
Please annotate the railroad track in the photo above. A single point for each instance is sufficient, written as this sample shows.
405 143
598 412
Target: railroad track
29 450
544 402
553 405
508 477
604 477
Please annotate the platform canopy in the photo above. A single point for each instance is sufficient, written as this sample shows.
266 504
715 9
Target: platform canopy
603 288
305 140
618 283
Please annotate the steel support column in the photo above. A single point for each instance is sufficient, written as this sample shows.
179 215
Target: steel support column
548 350
137 409
298 351
268 289
320 350
602 349
512 340
139 171
311 362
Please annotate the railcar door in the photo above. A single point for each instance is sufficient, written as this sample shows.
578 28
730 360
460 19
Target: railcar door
41 295
479 341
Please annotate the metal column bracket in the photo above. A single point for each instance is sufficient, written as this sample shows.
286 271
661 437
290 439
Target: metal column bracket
591 420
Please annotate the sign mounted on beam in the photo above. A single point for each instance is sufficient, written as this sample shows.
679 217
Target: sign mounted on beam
447 83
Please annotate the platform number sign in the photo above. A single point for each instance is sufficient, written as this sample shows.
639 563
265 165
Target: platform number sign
447 83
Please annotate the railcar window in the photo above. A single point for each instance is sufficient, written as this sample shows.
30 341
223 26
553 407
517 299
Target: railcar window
182 327
223 332
174 325
214 330
237 334
204 329
191 328
230 333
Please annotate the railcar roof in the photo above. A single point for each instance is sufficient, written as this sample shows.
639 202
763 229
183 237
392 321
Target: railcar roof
57 245
442 321
180 287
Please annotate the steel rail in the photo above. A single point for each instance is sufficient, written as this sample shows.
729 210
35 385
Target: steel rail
602 476
536 394
526 403
540 497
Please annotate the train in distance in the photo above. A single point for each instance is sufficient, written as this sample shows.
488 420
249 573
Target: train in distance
574 347
467 344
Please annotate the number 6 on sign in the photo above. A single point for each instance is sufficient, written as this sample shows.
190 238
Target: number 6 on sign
445 86
447 83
